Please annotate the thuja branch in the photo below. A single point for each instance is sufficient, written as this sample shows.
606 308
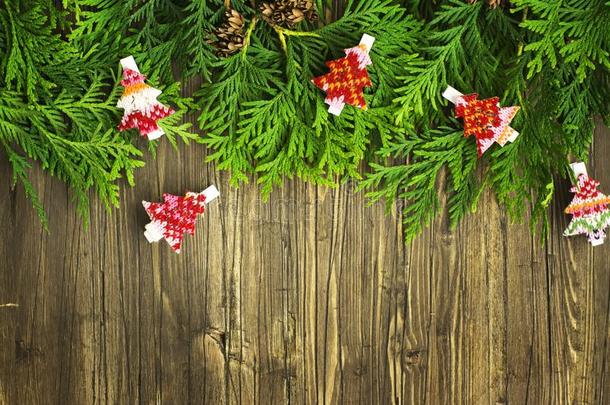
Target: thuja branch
283 33
248 37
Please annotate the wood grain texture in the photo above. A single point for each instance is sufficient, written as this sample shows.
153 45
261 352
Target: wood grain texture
309 298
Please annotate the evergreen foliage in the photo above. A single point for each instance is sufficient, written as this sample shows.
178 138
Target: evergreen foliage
549 57
261 117
58 92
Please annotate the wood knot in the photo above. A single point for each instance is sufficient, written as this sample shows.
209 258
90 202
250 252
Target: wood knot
412 357
24 352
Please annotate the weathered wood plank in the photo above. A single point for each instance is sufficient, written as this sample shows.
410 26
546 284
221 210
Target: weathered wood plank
598 378
10 308
328 253
527 327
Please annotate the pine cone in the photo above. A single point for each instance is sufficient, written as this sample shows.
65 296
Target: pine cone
230 35
288 13
492 3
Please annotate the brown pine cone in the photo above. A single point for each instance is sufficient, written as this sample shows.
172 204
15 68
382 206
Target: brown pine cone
230 35
288 13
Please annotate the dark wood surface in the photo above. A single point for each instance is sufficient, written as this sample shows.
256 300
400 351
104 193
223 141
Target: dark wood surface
311 297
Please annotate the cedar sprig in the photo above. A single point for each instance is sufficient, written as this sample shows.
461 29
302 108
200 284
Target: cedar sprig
58 94
263 117
551 58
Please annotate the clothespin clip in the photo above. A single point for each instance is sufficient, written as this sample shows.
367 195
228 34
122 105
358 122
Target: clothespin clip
139 100
367 42
455 97
211 193
130 63
348 77
484 119
176 215
452 95
589 207
578 168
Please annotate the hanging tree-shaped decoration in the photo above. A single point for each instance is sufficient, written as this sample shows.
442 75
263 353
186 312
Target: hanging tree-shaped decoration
139 100
176 215
589 208
484 119
347 78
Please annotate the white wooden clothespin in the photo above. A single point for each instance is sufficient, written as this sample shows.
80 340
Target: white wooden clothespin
129 63
211 193
598 236
578 168
154 233
452 94
367 40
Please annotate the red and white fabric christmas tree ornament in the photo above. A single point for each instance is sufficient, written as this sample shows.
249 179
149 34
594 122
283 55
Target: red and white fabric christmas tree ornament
176 216
348 77
139 100
484 119
589 208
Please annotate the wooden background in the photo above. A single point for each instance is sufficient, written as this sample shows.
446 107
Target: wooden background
309 298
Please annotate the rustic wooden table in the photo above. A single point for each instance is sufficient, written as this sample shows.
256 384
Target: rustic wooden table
309 298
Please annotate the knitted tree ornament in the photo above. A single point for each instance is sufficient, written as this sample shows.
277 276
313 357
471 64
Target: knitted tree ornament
347 78
589 208
484 119
139 100
176 216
